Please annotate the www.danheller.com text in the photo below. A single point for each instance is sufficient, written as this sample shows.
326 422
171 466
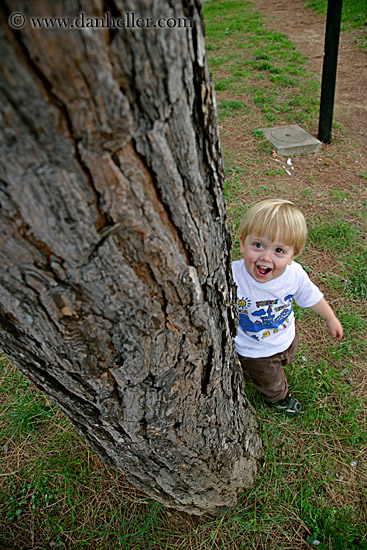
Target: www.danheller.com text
129 20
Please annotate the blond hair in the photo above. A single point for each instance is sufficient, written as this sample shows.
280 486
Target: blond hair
277 219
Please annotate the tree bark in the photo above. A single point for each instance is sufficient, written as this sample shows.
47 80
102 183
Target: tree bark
117 298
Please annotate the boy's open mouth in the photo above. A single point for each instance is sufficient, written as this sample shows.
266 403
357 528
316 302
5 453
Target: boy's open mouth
262 270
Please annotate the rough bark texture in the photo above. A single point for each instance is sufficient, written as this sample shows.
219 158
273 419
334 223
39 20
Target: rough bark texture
116 289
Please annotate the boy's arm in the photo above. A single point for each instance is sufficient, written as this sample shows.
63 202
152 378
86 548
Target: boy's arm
333 324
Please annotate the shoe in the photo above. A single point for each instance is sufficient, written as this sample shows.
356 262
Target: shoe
289 405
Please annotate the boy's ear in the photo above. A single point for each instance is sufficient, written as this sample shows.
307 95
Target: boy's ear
295 256
241 246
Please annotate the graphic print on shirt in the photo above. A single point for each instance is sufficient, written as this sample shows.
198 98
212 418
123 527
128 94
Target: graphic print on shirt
268 316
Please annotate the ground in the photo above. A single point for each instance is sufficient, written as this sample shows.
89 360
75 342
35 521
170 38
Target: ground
328 186
307 30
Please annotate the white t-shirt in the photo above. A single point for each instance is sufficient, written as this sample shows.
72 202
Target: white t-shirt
267 324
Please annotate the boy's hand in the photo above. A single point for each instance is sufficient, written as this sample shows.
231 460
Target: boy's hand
332 322
335 328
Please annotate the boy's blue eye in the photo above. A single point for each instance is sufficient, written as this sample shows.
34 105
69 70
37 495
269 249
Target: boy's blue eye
279 250
258 245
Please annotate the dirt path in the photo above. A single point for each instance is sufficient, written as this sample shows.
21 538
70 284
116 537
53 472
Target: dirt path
307 30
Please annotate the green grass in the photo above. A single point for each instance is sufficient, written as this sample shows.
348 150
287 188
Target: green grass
354 12
342 238
248 53
229 108
28 413
354 16
334 235
65 494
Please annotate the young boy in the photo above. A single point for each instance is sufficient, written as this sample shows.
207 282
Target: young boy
272 233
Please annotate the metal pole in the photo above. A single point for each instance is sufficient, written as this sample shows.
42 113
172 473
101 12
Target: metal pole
332 33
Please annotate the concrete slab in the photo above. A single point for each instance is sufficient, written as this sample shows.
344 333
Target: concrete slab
291 140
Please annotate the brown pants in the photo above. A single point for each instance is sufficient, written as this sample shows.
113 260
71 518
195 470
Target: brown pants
268 373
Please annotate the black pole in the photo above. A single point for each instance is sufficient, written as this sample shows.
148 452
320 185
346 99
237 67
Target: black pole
332 33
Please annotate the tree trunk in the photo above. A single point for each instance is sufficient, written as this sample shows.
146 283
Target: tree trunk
116 292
